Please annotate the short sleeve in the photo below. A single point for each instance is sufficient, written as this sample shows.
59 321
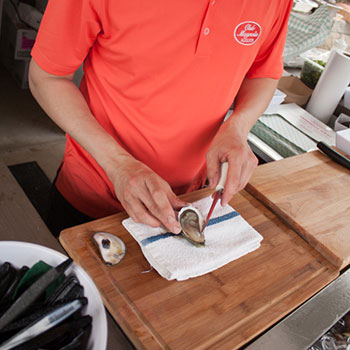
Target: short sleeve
68 30
269 60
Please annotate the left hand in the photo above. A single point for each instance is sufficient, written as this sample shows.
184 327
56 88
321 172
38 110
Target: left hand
230 145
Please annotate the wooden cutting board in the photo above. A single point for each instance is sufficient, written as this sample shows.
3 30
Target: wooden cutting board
312 193
220 310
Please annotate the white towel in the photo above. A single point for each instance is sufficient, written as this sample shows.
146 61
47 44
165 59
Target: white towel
227 237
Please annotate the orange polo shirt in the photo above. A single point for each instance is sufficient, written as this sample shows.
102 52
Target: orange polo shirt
159 76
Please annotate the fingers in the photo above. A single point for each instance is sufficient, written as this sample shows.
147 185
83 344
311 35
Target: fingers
146 197
176 202
241 167
138 212
160 203
249 169
150 204
233 181
213 170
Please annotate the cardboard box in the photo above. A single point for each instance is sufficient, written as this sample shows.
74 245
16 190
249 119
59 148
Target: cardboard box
16 42
345 11
19 38
296 91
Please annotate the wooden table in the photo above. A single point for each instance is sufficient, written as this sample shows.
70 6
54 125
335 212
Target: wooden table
310 192
222 310
19 221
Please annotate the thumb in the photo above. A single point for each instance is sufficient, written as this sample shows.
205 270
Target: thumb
177 203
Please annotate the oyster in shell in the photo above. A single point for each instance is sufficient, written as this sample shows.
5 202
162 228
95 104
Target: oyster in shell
111 247
191 222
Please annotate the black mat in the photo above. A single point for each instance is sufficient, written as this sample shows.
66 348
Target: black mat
35 184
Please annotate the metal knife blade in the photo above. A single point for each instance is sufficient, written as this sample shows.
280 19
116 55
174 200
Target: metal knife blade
219 191
215 199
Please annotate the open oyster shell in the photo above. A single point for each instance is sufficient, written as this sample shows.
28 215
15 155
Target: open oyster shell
191 222
111 247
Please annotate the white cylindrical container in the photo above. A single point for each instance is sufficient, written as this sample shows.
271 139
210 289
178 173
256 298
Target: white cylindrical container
347 98
330 87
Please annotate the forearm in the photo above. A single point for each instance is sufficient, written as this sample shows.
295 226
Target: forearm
144 195
66 106
230 143
252 100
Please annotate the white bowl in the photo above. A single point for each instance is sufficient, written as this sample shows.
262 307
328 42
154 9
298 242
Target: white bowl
22 253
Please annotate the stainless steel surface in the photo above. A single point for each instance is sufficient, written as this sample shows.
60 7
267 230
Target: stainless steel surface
304 326
260 148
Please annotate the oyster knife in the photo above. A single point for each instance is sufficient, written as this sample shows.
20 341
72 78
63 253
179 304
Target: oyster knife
219 191
333 154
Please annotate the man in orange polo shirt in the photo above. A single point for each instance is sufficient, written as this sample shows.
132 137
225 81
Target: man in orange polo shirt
146 123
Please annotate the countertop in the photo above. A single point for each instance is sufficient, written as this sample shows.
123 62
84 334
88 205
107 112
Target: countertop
19 221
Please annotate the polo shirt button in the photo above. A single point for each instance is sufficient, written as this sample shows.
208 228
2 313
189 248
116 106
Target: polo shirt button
206 31
213 2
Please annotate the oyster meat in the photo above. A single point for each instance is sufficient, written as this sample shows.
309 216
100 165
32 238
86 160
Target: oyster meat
191 222
111 247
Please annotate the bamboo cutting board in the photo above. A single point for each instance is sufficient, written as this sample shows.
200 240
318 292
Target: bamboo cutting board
311 193
220 310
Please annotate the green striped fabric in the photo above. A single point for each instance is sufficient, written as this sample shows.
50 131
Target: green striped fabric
276 141
307 31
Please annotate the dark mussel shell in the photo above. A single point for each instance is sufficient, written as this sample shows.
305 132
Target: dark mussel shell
8 275
68 290
11 287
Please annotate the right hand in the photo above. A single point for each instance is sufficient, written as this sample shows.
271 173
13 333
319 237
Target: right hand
145 196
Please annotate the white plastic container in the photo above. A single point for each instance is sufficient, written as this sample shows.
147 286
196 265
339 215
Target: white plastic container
23 253
343 140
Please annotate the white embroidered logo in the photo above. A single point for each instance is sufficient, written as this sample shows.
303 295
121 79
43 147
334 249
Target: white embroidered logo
247 33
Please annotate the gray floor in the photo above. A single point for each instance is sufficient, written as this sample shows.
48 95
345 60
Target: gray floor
26 132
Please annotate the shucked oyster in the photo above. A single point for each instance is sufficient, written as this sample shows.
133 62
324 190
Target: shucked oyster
111 247
191 222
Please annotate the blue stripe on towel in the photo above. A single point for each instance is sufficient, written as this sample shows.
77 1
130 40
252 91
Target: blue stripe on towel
157 238
212 221
219 219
